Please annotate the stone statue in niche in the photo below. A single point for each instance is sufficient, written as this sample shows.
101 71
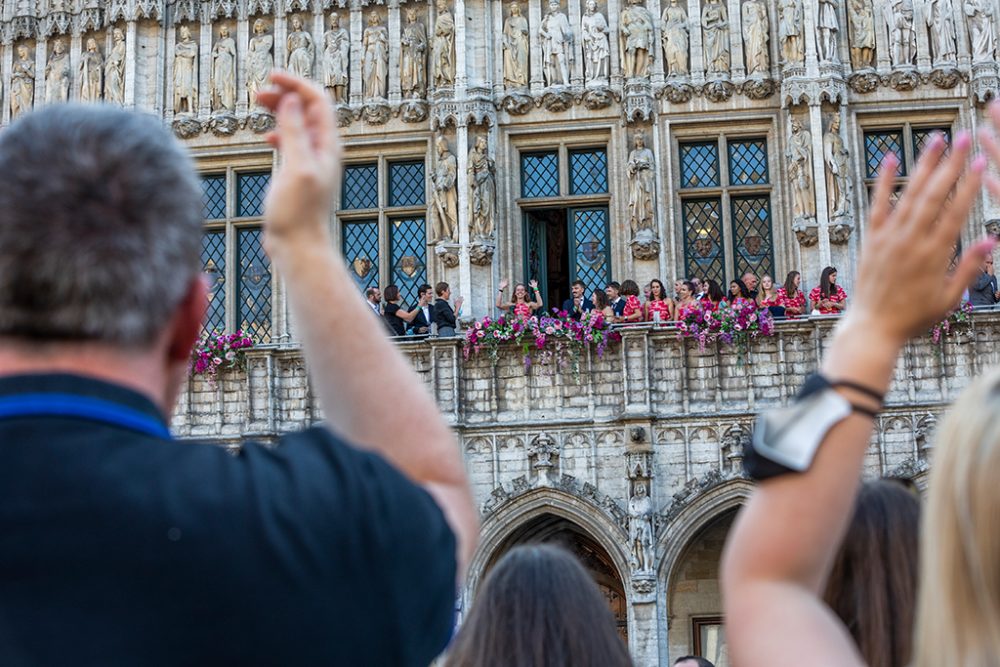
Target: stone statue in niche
790 31
443 47
800 171
861 19
898 15
22 82
301 52
375 61
91 72
641 177
482 189
260 60
224 72
185 73
755 37
444 197
837 170
640 528
596 46
636 31
57 74
336 56
827 26
982 30
114 69
557 40
515 49
413 61
675 37
940 22
715 24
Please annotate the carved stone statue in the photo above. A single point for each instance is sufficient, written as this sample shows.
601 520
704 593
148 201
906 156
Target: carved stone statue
674 35
861 19
185 73
800 171
715 24
375 61
636 40
837 170
641 176
640 528
755 37
940 21
982 29
114 69
557 40
827 27
898 15
22 83
482 190
57 74
260 60
443 47
790 30
515 49
336 56
224 72
413 63
301 52
596 46
444 198
91 72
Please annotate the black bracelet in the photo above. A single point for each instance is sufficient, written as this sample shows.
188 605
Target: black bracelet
860 388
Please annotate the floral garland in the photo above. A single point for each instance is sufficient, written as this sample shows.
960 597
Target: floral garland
731 324
215 350
956 321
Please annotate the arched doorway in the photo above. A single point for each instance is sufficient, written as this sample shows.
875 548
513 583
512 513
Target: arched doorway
552 529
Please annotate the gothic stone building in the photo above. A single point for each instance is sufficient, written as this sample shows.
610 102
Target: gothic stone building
562 140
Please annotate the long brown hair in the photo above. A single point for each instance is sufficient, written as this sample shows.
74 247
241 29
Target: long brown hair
873 584
790 289
538 607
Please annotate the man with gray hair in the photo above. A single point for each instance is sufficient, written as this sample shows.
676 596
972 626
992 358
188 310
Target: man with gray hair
122 546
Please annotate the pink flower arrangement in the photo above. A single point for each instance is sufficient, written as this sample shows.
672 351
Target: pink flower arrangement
216 350
958 319
735 324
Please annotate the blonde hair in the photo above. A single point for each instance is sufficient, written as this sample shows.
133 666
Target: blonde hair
958 615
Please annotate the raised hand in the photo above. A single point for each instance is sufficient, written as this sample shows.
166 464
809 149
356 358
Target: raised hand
533 284
503 285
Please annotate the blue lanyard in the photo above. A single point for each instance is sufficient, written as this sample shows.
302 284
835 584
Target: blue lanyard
83 407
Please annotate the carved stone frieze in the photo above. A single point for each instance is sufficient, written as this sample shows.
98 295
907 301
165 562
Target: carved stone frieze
638 106
186 11
806 232
414 111
260 122
376 113
902 80
481 253
22 26
89 19
734 442
926 426
448 254
148 9
645 246
223 125
599 98
985 81
677 92
864 82
992 227
260 7
718 90
758 88
55 23
644 585
946 78
186 127
218 9
840 231
558 100
639 464
517 104
344 116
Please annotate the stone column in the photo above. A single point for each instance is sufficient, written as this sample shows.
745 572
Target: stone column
395 41
535 79
614 11
660 190
204 68
243 101
737 67
464 267
169 42
809 16
461 65
357 31
75 48
41 58
696 56
883 63
132 67
920 11
665 203
318 31
574 13
656 52
819 180
6 71
496 46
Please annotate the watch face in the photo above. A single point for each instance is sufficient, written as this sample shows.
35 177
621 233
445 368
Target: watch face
791 435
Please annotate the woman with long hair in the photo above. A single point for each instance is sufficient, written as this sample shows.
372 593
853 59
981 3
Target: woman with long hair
714 294
828 297
633 307
659 306
520 305
602 305
791 297
686 302
395 316
767 295
738 293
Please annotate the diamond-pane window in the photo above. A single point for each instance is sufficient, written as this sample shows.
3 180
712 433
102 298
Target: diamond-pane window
880 144
214 191
408 252
923 135
361 252
253 306
540 175
590 247
250 192
752 251
699 165
748 162
406 184
588 172
360 187
213 262
704 250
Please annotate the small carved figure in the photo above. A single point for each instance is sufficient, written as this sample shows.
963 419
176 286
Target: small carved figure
755 37
91 72
482 189
837 169
57 74
861 19
260 60
641 177
898 15
301 52
336 55
224 72
982 29
790 31
556 46
22 84
675 38
444 198
114 69
715 24
515 49
596 46
443 47
800 171
375 61
640 528
413 62
828 26
185 73
940 22
636 40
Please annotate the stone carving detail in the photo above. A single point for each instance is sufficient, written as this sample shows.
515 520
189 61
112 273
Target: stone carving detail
598 98
376 112
840 231
946 77
940 21
756 37
596 46
982 29
993 228
799 157
675 34
185 73
715 26
758 89
903 80
375 61
517 103
640 524
641 170
898 16
444 196
22 85
556 39
515 49
224 72
114 69
543 456
635 38
734 442
806 232
91 73
827 27
678 93
864 83
413 62
260 122
861 21
223 125
414 111
482 190
443 47
186 127
718 90
838 173
447 257
557 101
790 29
58 74
336 56
260 60
301 51
481 253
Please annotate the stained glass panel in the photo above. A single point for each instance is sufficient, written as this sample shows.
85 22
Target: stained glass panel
699 165
704 251
590 247
213 262
408 251
406 184
922 135
361 252
748 162
540 175
588 172
253 307
250 192
878 145
360 187
214 190
752 245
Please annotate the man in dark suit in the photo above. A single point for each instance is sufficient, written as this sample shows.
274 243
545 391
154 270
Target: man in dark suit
136 549
983 291
421 324
579 303
614 292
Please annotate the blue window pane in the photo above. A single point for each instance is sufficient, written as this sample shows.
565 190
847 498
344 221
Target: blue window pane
704 254
588 172
748 162
590 247
214 190
408 243
880 144
406 184
540 175
253 307
250 192
752 249
923 135
360 187
699 165
361 252
213 262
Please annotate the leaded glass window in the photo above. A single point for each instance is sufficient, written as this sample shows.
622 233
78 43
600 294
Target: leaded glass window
591 254
360 187
748 162
540 175
250 192
213 261
880 144
751 219
360 245
699 165
922 135
253 307
214 189
906 142
408 239
588 171
406 184
704 251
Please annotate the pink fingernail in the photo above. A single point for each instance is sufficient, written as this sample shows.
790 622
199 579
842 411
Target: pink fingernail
979 164
963 140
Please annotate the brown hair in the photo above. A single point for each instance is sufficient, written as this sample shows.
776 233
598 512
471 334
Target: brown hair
790 288
441 288
391 293
873 584
538 607
630 288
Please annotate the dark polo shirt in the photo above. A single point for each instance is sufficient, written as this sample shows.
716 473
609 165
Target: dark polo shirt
119 547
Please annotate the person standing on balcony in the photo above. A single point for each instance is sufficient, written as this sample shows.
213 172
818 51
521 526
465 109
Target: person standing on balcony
420 325
521 306
984 291
632 312
659 306
444 317
578 304
828 297
614 292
